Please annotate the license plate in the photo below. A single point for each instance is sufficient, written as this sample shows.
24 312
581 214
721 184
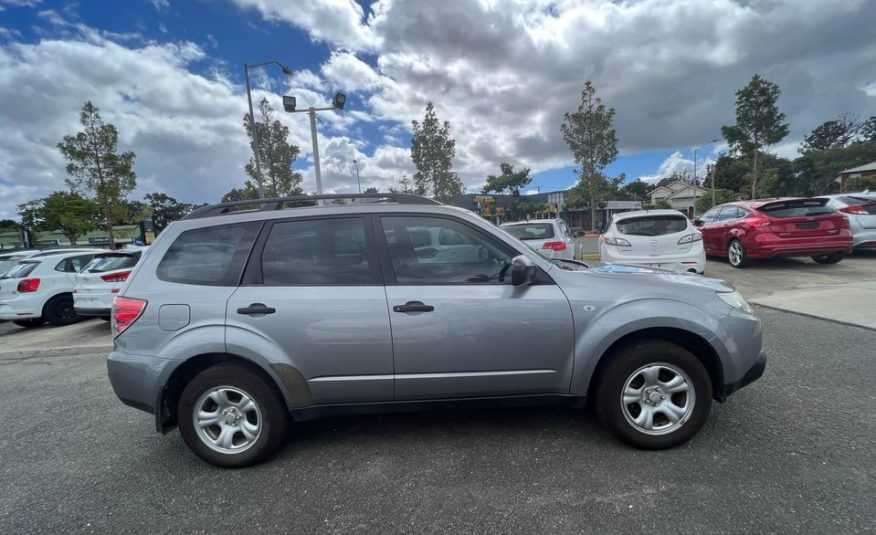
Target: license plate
809 225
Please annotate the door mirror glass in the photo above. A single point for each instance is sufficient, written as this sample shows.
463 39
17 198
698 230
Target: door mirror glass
522 270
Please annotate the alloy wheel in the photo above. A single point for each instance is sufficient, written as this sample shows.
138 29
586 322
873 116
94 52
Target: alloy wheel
735 253
658 398
227 419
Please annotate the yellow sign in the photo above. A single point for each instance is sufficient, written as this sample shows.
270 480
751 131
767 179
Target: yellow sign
486 199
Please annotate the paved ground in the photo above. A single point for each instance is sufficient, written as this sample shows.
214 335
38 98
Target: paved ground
82 338
793 453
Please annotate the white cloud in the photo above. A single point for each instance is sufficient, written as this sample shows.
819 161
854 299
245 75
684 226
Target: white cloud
677 163
160 4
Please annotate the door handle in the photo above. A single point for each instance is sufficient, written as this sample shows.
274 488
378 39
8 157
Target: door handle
413 306
256 308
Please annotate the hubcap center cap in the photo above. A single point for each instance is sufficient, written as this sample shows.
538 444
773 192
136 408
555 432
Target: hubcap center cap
230 416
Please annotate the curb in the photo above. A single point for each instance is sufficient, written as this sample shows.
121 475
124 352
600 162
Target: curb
30 353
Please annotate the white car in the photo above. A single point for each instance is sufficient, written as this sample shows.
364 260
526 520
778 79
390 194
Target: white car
9 260
39 289
99 282
663 239
550 237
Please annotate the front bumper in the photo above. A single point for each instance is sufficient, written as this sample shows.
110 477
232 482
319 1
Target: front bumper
753 374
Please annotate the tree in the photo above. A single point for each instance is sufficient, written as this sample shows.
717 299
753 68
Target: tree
71 213
868 129
276 155
588 132
816 172
372 189
94 163
165 209
247 193
432 151
721 196
832 134
8 225
635 190
405 185
509 180
759 123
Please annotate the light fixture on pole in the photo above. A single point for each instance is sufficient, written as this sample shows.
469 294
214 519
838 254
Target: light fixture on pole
338 102
695 177
255 131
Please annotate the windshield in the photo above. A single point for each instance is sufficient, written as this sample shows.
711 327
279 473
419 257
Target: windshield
111 262
654 225
531 231
21 270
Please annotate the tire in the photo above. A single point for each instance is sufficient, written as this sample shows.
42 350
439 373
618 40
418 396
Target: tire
668 364
252 435
736 254
59 310
829 258
29 324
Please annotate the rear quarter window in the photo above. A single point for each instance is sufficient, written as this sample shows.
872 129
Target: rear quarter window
211 256
21 270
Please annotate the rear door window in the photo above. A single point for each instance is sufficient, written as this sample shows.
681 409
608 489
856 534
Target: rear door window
652 225
317 252
711 215
211 256
727 213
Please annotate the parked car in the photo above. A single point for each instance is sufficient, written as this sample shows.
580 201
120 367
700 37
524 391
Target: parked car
663 239
39 289
98 282
550 237
223 331
747 230
860 209
10 259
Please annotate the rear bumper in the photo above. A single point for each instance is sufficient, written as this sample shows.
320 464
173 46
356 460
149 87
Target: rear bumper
753 374
20 309
101 312
695 260
771 246
136 379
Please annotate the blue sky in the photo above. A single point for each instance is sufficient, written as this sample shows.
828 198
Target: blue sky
169 74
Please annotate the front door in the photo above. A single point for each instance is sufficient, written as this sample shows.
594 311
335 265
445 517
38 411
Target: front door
459 328
313 289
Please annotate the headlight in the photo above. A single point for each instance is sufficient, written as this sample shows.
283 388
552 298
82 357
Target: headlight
735 300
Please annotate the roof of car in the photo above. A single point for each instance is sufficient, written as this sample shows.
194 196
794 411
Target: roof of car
640 213
529 222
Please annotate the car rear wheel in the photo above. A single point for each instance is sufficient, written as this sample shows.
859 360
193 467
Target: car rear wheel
29 324
654 394
59 311
736 254
232 417
828 258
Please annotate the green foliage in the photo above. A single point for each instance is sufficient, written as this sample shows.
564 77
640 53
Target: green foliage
509 180
759 123
833 134
861 183
432 151
166 209
276 155
8 225
372 190
95 164
868 129
589 134
246 193
816 172
71 213
721 196
634 190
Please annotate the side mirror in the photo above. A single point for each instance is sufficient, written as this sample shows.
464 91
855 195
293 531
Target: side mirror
698 222
522 270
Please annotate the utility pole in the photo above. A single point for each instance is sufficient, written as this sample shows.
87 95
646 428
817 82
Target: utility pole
255 131
358 182
695 178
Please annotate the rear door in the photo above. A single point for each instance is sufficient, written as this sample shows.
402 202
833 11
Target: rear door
460 329
313 288
802 218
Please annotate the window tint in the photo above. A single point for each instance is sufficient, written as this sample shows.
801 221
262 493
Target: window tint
473 258
212 256
531 231
111 262
711 215
74 264
653 225
319 251
728 213
21 270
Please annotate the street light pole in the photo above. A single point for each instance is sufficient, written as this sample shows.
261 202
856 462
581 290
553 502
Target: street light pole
695 177
289 104
255 131
358 182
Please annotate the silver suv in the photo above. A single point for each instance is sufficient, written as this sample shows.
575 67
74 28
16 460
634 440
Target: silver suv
237 321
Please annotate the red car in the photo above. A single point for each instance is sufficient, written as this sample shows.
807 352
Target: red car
746 230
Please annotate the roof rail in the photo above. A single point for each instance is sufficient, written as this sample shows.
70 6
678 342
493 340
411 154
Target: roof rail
279 203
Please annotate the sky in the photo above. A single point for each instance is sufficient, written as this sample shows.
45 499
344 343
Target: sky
169 75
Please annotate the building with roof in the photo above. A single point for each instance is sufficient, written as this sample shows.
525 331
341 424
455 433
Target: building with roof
679 195
862 171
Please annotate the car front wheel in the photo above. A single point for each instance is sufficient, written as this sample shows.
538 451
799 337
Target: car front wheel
736 254
654 394
232 417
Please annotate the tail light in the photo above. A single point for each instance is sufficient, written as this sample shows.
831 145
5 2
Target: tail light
620 242
856 209
126 310
554 245
690 238
121 276
28 285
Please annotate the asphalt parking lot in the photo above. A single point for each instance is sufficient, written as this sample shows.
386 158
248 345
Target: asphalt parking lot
794 452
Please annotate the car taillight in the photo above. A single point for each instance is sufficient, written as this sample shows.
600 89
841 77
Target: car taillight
28 285
857 209
554 245
126 310
121 276
616 241
690 238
